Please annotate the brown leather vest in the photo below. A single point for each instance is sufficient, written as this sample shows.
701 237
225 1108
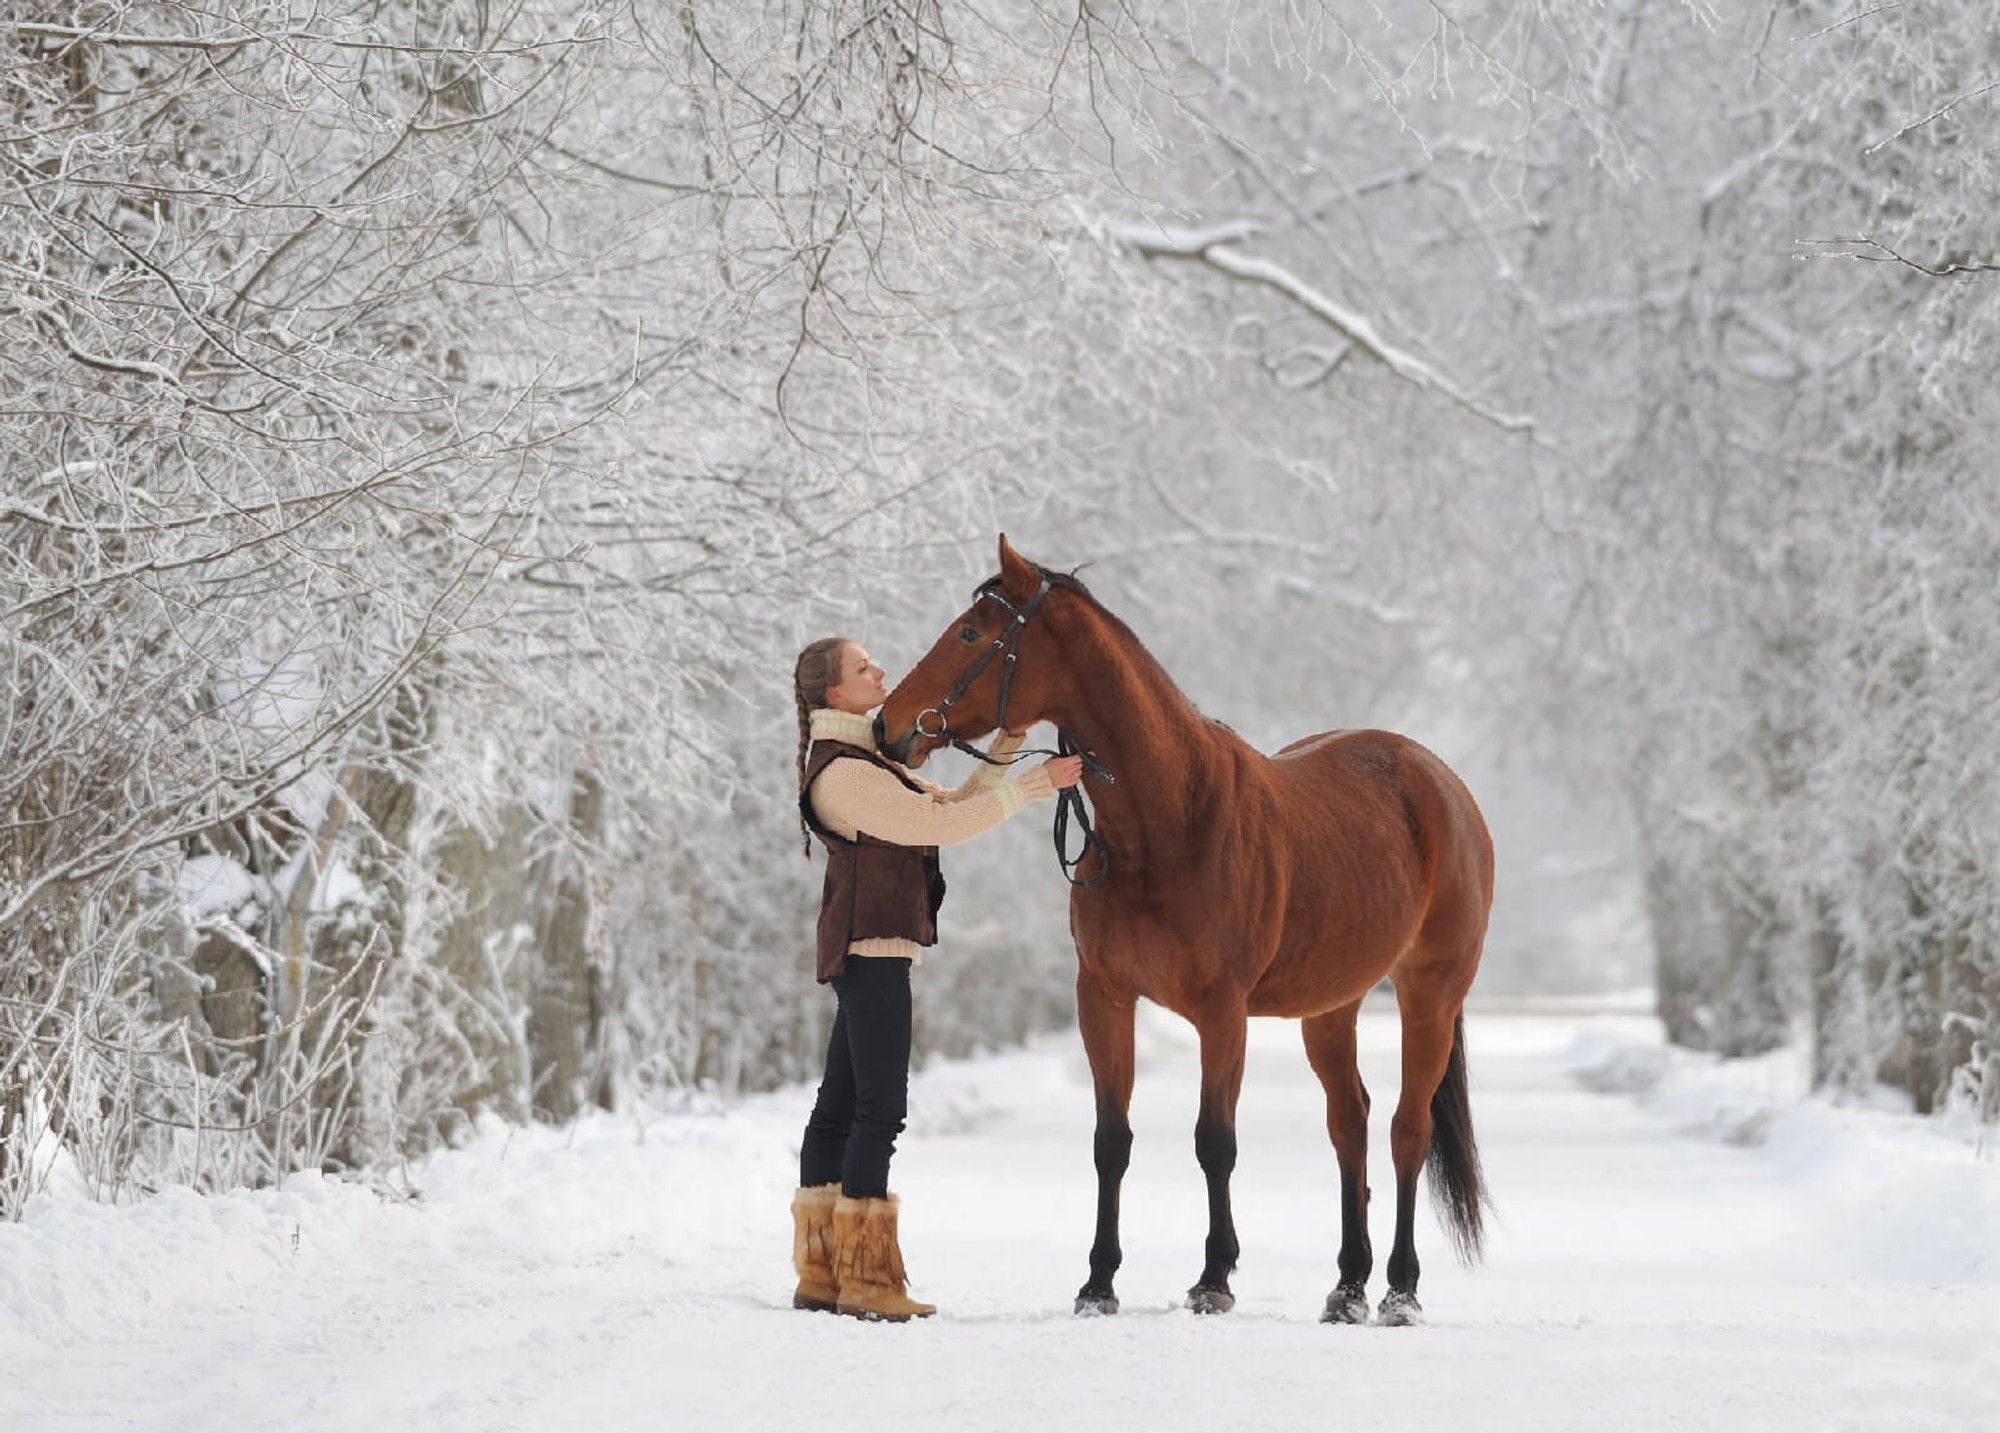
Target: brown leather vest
873 888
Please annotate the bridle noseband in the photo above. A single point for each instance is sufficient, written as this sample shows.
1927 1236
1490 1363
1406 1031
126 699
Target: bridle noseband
1069 800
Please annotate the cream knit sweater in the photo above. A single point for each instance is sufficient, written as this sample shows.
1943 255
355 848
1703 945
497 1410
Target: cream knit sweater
852 796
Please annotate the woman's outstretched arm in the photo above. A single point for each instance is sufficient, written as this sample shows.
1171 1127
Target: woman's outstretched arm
855 796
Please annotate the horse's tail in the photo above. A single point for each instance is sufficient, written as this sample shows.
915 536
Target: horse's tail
1453 1162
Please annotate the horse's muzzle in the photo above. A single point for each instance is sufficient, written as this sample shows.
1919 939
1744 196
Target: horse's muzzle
904 747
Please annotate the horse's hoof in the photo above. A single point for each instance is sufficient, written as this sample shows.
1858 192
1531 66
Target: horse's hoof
1210 1301
1094 1306
1399 1311
1347 1304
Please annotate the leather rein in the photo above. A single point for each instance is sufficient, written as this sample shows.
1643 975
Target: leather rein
1069 800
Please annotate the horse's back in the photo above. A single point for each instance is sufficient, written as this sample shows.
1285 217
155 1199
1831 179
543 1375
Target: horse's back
1367 755
1306 745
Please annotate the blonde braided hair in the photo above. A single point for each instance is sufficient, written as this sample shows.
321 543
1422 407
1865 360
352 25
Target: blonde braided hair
818 668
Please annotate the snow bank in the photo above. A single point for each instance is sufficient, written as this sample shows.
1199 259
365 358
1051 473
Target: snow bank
75 1270
78 1269
1907 1198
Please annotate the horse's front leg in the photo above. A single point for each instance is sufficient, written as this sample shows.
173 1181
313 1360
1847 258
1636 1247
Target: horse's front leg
1105 1014
1223 1032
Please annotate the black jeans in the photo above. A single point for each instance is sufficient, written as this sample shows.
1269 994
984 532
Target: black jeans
864 1095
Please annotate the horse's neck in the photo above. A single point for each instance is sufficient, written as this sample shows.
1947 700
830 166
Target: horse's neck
1126 710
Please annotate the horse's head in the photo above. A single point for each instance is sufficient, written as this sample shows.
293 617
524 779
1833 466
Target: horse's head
992 664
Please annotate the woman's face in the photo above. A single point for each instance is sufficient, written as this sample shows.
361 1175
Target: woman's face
861 688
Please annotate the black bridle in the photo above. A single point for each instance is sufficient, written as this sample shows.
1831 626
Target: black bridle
1069 800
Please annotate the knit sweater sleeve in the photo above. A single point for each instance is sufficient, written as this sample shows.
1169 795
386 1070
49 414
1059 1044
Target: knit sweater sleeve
853 796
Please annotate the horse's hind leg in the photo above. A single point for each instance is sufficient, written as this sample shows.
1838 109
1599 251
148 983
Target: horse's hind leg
1105 1017
1330 1050
1428 1033
1224 1034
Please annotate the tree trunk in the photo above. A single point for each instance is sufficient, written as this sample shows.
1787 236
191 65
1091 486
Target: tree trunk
370 962
565 1011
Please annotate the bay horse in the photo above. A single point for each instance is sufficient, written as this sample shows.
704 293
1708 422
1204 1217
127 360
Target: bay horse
1224 883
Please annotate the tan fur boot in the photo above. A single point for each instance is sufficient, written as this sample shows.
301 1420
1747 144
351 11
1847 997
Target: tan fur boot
868 1262
812 1247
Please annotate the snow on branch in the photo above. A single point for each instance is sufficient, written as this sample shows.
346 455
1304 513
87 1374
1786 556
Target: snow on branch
1935 115
1214 246
1880 253
246 34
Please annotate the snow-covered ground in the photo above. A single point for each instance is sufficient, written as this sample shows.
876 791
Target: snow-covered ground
1676 1245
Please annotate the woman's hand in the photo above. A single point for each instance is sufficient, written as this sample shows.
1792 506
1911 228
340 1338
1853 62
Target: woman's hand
1063 770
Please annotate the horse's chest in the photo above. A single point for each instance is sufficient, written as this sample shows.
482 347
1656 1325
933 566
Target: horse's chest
1151 946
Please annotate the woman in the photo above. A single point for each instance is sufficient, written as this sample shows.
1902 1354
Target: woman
881 828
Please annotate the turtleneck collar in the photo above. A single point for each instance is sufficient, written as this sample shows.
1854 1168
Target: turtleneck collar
854 728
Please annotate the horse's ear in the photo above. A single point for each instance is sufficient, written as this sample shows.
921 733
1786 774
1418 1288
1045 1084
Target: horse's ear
1018 578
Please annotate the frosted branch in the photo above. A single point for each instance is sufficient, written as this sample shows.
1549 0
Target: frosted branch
1215 248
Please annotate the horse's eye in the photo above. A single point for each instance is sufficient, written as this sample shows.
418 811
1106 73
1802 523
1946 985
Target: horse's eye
968 633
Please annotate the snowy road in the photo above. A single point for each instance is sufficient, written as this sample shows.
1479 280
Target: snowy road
1690 1261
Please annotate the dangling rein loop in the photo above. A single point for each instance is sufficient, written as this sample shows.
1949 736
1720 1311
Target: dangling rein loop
1069 800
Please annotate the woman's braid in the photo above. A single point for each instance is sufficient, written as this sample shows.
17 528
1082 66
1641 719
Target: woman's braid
817 669
805 741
